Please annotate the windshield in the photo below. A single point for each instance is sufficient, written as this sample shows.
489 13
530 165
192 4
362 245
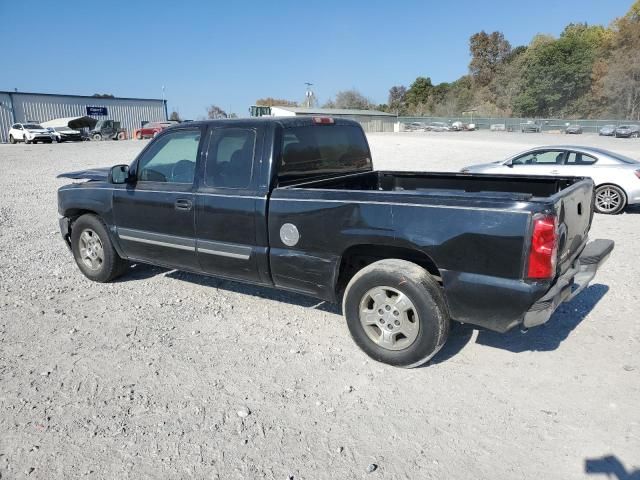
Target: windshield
32 126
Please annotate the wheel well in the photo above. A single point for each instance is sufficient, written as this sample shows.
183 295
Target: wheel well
356 257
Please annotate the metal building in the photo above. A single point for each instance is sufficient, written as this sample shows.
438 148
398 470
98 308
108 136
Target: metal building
41 107
371 120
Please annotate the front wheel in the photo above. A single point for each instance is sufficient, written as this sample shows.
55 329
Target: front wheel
93 250
96 137
396 313
12 140
610 199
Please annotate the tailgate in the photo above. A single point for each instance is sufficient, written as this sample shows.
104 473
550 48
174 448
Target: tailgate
574 211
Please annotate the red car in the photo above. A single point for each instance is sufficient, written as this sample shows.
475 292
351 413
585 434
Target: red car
151 129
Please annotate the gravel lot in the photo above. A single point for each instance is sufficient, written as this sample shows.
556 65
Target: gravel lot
150 377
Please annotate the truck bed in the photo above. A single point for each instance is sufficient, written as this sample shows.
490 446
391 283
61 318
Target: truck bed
447 184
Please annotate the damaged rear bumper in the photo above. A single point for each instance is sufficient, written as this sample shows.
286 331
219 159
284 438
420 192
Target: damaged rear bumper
570 283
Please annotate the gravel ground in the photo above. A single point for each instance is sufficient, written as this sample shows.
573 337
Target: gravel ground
170 375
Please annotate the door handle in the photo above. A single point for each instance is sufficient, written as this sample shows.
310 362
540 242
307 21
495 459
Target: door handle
555 172
183 204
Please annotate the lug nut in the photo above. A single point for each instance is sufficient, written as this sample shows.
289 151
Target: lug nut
397 322
387 307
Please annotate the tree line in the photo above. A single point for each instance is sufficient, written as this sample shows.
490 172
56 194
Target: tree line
589 71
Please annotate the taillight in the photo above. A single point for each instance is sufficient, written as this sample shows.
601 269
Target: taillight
544 248
637 172
323 120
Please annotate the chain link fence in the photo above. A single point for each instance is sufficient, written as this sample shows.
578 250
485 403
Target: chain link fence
511 124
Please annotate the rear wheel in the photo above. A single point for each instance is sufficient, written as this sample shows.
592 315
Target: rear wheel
396 313
93 250
139 135
610 199
121 136
96 137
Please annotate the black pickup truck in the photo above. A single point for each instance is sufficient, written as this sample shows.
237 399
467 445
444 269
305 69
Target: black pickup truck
294 203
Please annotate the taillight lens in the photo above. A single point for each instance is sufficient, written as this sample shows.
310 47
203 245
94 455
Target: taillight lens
637 172
544 248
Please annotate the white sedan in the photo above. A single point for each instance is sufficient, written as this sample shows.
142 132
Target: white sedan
617 177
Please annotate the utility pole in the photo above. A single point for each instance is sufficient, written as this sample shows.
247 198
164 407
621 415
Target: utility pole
309 96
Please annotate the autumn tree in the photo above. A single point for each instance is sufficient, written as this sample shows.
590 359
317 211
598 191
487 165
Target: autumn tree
271 102
397 99
488 51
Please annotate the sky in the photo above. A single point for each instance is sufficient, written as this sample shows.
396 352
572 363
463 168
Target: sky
230 53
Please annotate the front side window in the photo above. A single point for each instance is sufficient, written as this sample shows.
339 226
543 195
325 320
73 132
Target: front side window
171 158
551 157
230 157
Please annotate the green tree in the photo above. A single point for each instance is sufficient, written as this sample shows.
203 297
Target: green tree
417 96
557 73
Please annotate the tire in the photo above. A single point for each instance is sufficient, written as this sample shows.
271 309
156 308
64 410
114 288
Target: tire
12 140
139 135
96 137
26 141
420 330
610 199
93 250
121 136
155 134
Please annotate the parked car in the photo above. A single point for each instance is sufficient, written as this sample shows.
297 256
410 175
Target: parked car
607 131
65 135
294 203
627 131
70 129
151 129
573 130
438 127
617 177
531 126
462 127
29 133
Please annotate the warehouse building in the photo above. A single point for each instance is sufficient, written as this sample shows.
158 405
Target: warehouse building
371 120
41 107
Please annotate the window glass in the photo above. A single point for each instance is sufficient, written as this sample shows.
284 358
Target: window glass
551 157
323 149
577 158
171 158
230 157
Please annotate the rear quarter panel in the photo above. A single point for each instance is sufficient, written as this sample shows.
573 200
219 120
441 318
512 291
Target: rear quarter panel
479 249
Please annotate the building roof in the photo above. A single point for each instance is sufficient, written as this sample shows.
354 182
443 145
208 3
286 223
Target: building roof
8 92
334 111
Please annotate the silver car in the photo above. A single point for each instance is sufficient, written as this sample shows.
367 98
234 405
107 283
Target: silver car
617 177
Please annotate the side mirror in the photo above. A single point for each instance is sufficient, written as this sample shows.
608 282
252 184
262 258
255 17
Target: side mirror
119 174
509 164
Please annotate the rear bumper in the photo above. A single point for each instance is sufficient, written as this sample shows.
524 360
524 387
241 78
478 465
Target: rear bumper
571 283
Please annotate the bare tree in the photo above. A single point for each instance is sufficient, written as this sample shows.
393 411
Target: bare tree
214 113
175 116
349 99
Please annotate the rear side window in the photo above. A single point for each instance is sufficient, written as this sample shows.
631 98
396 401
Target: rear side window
577 158
230 158
323 149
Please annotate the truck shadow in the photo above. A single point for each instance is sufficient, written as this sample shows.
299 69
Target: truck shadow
543 338
245 289
549 336
610 466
